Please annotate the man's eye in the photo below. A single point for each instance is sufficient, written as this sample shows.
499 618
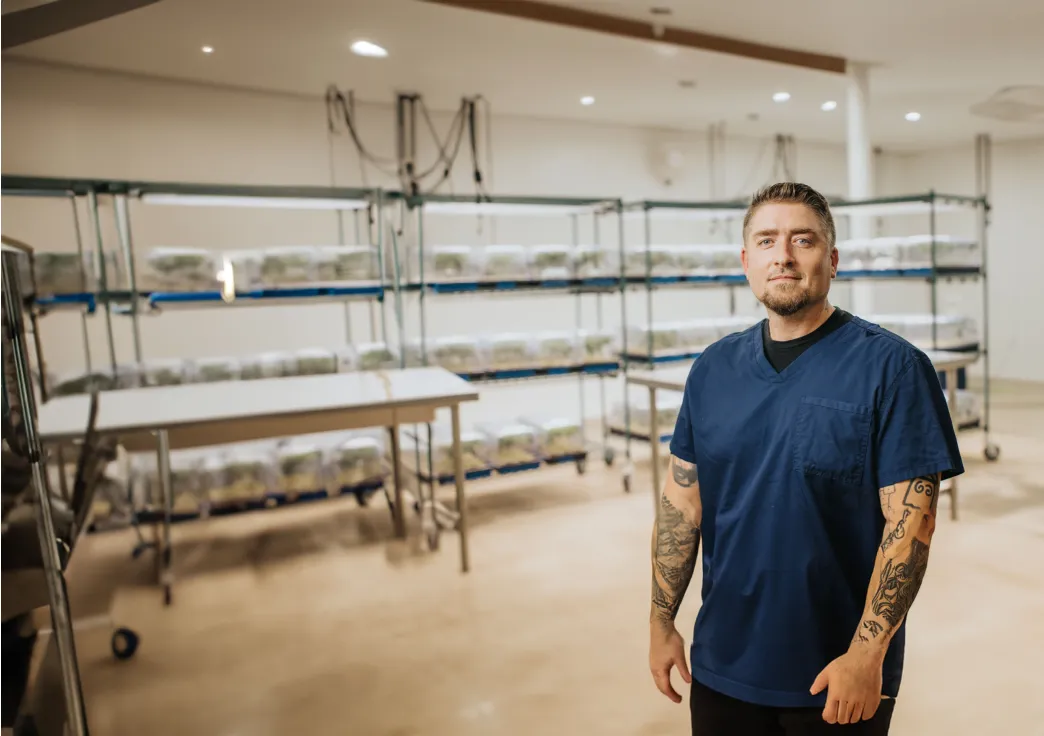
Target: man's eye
766 241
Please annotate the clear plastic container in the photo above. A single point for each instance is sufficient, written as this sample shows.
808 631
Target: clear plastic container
266 365
474 450
72 384
451 262
355 460
695 334
167 372
509 444
314 362
179 269
460 354
374 356
287 266
301 468
246 268
62 273
693 259
510 351
667 337
557 436
346 263
213 370
556 349
505 262
723 258
668 405
347 358
594 261
662 260
551 262
241 473
188 484
597 346
915 251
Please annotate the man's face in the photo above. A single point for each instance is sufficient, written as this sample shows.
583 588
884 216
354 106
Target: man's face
787 258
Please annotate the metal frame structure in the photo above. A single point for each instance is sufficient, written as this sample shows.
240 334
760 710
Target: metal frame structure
929 204
414 210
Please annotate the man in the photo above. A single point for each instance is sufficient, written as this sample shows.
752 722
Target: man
807 455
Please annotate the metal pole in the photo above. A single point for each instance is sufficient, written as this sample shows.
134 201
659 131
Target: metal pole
83 281
648 285
127 244
580 323
625 362
103 281
458 475
984 169
934 277
76 717
166 486
423 286
601 376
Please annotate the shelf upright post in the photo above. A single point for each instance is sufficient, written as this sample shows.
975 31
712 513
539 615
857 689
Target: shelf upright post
625 359
934 278
599 323
103 281
575 223
423 286
83 280
127 245
648 284
983 168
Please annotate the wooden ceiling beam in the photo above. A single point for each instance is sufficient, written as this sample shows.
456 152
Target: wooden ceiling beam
642 30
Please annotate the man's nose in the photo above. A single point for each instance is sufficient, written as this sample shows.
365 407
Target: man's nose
784 254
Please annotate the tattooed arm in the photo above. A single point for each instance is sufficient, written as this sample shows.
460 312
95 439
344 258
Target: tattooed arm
675 542
854 678
909 510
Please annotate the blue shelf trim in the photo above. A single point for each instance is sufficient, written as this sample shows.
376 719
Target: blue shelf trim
619 432
591 369
305 292
487 472
660 359
61 301
465 287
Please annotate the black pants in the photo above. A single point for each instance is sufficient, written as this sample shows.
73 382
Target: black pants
714 714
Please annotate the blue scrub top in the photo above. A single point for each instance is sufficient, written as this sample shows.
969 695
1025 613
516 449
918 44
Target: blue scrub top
790 465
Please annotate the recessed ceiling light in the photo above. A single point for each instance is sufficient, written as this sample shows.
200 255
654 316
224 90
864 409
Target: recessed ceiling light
687 83
587 100
828 106
368 48
660 10
207 49
781 97
913 117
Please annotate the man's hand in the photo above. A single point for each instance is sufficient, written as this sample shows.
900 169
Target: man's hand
853 683
667 650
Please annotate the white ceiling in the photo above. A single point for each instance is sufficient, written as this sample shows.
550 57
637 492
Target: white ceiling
937 57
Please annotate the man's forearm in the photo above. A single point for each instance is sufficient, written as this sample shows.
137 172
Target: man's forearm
902 560
676 541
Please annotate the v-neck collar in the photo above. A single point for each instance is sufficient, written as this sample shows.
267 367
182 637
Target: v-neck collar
765 368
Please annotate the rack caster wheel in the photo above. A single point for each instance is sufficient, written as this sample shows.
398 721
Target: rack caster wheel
168 595
627 484
433 541
992 452
581 465
609 456
124 643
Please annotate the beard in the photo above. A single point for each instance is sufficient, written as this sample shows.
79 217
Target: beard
786 298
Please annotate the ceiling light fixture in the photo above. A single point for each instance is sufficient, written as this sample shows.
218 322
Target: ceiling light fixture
207 49
828 106
368 48
587 100
781 97
913 117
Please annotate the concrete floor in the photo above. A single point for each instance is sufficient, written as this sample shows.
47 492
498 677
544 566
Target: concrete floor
309 621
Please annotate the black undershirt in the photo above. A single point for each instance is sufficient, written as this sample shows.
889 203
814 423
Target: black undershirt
781 353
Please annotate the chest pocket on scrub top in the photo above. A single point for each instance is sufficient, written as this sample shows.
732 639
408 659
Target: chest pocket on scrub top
831 439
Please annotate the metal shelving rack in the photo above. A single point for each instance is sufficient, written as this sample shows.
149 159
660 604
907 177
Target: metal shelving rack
126 299
415 210
930 204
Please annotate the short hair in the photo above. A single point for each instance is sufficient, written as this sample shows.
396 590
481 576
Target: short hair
795 193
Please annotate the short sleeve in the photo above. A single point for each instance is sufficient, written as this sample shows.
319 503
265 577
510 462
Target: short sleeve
915 435
682 441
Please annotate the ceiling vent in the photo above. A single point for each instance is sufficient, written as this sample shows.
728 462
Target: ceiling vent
1023 104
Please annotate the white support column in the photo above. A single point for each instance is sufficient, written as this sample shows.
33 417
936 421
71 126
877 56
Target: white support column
860 169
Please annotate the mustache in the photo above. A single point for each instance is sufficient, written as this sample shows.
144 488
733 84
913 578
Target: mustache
791 274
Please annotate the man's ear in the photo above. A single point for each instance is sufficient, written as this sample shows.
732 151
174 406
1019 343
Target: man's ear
834 257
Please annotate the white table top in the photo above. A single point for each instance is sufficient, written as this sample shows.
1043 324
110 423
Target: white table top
170 407
673 379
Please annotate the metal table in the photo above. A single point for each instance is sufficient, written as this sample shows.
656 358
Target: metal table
673 379
195 415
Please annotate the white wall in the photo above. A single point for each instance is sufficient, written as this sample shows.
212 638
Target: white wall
64 122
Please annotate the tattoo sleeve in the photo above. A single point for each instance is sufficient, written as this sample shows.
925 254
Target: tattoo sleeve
676 540
902 559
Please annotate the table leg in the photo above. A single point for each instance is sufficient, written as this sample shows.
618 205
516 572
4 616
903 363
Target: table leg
398 514
654 441
166 575
951 396
458 474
